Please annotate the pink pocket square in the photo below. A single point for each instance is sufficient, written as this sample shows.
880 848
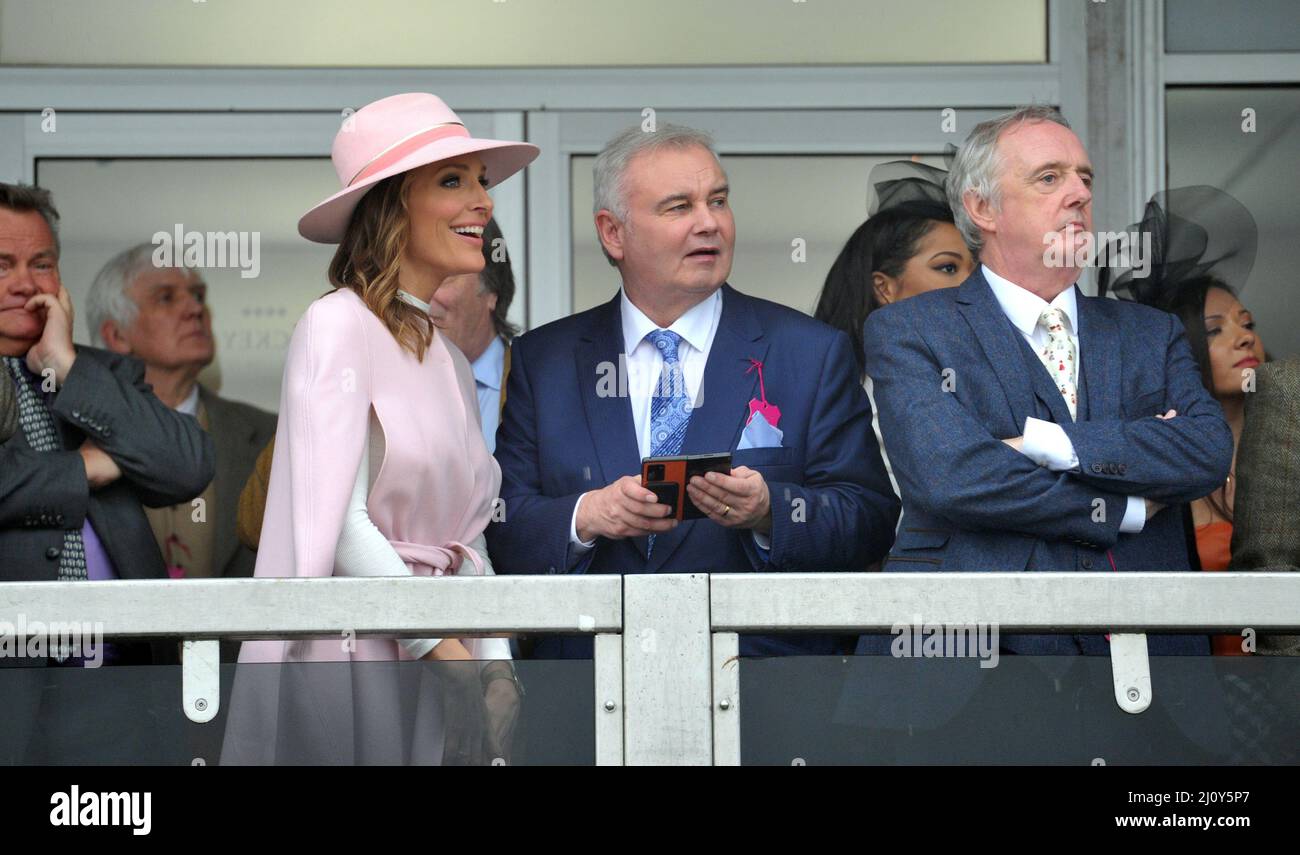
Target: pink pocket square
770 411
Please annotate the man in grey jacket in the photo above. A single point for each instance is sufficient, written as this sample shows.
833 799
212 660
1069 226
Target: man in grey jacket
91 448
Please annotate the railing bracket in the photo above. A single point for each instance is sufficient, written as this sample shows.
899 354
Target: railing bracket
201 679
1131 670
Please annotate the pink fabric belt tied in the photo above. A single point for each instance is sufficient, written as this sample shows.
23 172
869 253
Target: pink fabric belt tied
438 560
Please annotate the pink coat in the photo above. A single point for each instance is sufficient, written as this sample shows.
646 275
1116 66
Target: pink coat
433 493
315 702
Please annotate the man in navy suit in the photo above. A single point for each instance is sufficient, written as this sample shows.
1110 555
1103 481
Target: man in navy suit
1032 427
675 364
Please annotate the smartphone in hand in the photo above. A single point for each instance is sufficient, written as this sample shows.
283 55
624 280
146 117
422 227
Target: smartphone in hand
667 478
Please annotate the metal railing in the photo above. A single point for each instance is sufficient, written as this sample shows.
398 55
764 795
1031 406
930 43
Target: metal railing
666 646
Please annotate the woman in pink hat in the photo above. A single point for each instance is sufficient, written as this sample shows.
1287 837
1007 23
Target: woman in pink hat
380 467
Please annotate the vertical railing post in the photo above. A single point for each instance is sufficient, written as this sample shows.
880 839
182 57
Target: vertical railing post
726 699
609 699
666 670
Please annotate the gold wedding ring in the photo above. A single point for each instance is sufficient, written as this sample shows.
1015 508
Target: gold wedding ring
726 509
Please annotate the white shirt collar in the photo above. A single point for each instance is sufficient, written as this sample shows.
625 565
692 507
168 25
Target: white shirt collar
413 300
190 406
490 364
695 326
1024 307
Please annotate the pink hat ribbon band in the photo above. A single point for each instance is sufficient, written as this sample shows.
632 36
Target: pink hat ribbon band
400 149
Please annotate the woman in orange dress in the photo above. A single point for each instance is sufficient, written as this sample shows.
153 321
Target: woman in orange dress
1208 240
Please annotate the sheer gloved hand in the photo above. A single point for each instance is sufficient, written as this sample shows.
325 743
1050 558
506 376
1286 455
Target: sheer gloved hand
502 699
481 704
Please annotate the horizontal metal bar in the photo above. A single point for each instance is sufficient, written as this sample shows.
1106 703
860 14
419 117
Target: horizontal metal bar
286 608
1015 602
727 87
751 602
1220 69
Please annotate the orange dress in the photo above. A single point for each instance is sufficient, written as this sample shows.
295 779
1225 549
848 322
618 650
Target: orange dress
1213 546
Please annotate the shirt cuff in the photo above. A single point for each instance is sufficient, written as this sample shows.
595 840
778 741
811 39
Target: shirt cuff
578 545
1135 516
1046 444
763 542
418 648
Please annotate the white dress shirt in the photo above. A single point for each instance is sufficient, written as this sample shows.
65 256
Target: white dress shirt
644 366
1045 442
190 406
487 383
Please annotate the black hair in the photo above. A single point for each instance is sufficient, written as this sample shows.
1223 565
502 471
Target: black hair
884 243
498 278
1187 303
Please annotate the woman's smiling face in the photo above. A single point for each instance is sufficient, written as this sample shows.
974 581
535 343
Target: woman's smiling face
448 206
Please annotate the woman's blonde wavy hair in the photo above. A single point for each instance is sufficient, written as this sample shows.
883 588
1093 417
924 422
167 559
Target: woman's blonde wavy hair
368 259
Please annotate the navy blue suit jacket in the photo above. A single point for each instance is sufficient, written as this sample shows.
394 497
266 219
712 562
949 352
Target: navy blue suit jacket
560 436
953 377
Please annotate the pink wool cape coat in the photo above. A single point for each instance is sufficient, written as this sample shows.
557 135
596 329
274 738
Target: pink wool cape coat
431 497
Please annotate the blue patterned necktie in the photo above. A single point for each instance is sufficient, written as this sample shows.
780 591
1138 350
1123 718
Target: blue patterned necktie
670 407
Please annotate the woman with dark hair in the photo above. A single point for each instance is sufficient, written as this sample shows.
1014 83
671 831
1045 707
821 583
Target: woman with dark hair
1227 347
1203 241
908 245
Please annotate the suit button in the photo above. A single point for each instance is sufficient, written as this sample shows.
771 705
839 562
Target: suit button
76 414
1122 468
1087 563
58 520
53 552
1096 467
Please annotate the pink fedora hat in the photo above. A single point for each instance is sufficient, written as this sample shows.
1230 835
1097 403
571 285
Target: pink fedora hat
394 135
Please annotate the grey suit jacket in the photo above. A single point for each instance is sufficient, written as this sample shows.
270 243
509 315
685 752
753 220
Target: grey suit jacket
239 433
165 458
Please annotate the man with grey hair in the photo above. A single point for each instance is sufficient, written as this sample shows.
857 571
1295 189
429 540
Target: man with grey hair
160 316
1031 427
680 363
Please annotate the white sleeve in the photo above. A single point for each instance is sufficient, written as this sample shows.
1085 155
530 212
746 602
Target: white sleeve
1135 516
364 551
579 547
1046 444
